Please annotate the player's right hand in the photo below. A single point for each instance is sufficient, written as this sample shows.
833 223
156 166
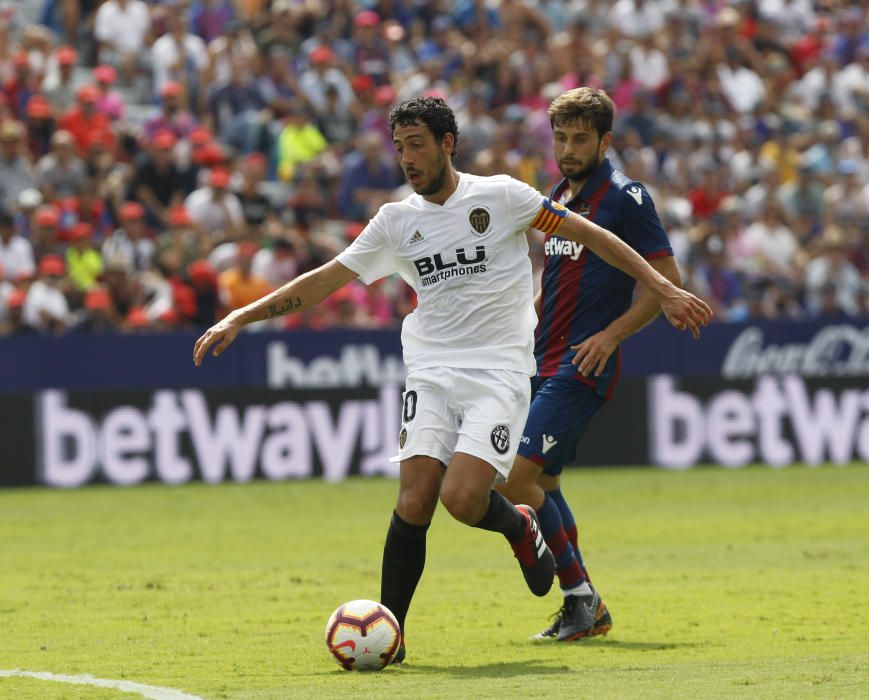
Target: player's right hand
220 335
685 311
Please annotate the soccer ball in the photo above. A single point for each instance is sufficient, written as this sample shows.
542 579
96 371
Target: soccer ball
363 635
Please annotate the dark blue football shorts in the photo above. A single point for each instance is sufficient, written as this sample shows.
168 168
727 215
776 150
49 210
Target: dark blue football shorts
561 409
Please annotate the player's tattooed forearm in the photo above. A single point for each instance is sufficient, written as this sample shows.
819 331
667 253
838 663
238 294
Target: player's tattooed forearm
284 307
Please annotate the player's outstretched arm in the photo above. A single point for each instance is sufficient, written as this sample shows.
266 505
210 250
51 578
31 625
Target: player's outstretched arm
681 308
301 293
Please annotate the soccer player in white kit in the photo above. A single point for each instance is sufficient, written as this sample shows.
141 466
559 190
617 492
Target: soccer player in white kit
459 241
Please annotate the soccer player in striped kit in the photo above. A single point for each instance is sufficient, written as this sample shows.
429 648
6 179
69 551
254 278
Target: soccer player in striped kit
585 308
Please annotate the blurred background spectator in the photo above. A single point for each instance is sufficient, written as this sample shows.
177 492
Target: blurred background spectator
164 161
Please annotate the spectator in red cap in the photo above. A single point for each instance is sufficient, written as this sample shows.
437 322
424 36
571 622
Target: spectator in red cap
200 136
104 170
39 122
137 319
93 209
164 140
61 173
11 306
158 182
110 102
58 84
370 53
16 253
204 153
130 242
105 75
44 229
83 119
322 74
184 242
101 313
167 320
122 29
376 116
83 262
203 281
215 209
209 155
367 19
171 115
15 171
46 309
237 285
179 217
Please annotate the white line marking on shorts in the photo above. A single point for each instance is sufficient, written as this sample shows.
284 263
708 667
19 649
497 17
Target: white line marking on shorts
152 692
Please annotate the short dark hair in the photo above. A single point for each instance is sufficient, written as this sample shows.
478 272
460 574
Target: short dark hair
431 111
583 104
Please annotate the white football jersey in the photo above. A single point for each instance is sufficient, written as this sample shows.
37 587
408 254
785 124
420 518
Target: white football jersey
468 262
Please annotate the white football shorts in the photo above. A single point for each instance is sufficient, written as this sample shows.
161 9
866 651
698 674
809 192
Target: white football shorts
477 411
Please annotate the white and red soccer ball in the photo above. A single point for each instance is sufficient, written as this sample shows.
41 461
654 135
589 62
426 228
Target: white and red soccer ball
363 635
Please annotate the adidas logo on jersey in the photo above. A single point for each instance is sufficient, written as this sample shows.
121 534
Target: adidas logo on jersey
416 238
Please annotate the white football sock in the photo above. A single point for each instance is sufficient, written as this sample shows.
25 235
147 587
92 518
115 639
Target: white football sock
582 589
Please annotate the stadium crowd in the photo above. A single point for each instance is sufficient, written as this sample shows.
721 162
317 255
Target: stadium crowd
164 161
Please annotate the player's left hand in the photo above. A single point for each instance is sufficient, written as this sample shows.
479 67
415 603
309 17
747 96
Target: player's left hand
593 352
685 311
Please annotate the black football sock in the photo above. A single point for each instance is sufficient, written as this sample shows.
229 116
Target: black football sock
403 562
502 516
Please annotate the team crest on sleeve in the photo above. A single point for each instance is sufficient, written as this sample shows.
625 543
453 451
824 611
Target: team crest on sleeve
402 438
501 439
480 219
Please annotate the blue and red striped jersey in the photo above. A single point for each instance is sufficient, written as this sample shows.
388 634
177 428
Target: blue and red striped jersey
582 294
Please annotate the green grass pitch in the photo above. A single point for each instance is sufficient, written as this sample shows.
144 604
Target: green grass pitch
749 583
